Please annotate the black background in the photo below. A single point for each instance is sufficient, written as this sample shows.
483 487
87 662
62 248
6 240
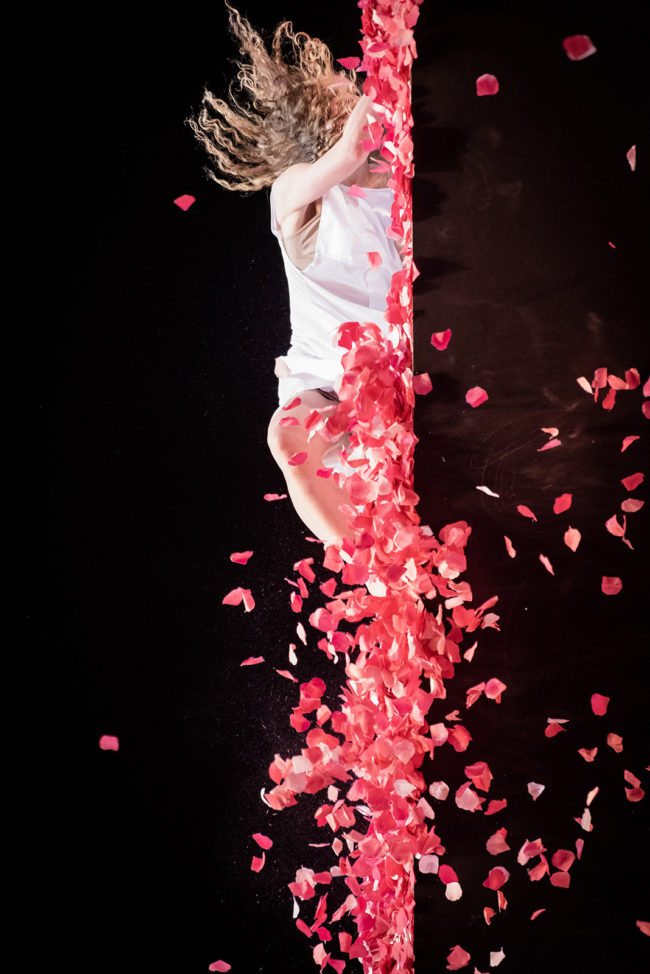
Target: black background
156 330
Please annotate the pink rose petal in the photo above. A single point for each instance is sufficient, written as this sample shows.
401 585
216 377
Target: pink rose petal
572 538
351 63
496 878
440 339
644 927
252 661
447 875
560 879
263 841
547 564
428 864
287 675
374 259
487 84
457 958
631 505
494 688
612 525
588 754
108 742
535 789
357 191
562 503
578 47
497 842
298 458
550 445
510 548
496 805
599 704
615 741
475 396
219 965
185 201
422 384
257 863
240 557
630 155
633 481
537 913
611 585
274 497
526 512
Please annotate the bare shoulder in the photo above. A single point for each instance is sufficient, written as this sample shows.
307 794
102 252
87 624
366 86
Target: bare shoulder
285 203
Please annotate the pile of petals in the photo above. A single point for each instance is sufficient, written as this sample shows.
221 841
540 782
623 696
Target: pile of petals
400 591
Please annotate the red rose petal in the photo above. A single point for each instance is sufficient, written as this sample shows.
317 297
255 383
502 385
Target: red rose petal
496 878
422 384
185 201
526 512
457 958
252 661
298 458
374 259
611 585
572 538
547 564
263 841
219 965
257 863
440 339
351 63
487 84
578 47
496 805
475 396
274 497
562 503
241 557
633 481
108 742
537 913
644 927
599 704
509 546
588 754
615 741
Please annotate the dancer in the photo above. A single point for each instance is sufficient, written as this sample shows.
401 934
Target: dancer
300 129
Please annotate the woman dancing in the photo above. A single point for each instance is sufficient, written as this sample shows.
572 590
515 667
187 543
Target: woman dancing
300 130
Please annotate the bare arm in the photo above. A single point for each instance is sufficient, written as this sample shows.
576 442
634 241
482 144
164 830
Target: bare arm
303 183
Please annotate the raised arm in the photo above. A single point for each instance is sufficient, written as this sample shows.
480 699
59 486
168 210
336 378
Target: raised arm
301 184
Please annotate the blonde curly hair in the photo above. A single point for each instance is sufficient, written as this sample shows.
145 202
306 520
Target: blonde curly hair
287 115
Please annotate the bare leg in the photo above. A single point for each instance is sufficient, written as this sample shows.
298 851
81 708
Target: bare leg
315 499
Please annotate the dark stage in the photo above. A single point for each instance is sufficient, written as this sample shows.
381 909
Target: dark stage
159 332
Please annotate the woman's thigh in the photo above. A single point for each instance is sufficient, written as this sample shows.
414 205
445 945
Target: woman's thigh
286 438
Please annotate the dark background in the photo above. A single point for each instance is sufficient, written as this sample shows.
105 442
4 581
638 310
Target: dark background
156 332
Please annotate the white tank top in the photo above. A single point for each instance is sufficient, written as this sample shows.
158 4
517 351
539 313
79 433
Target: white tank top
338 285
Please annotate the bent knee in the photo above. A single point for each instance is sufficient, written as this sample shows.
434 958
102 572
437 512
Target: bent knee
284 440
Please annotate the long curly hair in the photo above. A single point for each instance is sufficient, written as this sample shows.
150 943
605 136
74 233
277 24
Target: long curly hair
285 112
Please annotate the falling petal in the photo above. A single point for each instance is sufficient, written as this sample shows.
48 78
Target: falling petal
633 481
496 956
497 842
457 958
572 538
631 505
428 864
611 585
108 742
422 384
263 841
644 927
219 965
547 564
297 459
562 503
357 191
486 490
185 201
588 754
252 661
475 396
630 155
351 63
440 339
535 789
241 557
374 259
496 878
537 913
510 548
487 84
550 445
615 741
274 497
578 47
599 704
584 384
526 512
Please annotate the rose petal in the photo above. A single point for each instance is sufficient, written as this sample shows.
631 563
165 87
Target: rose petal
588 754
263 841
526 512
496 878
615 741
633 481
572 538
108 742
185 201
644 927
628 441
274 497
630 155
447 875
457 958
357 191
351 63
497 842
537 913
475 396
252 661
219 965
422 384
611 585
487 490
440 339
509 546
631 505
487 84
298 458
562 503
535 789
374 259
547 564
599 704
496 956
257 863
428 864
241 557
578 47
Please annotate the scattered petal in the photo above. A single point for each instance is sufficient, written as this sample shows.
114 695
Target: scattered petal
257 863
440 339
562 503
599 704
475 396
497 842
350 63
357 191
274 497
633 481
628 441
453 892
535 789
588 754
457 958
612 525
550 445
487 84
298 458
185 201
252 661
560 879
496 878
615 741
374 259
611 585
510 548
631 505
578 47
263 841
287 675
486 490
494 688
447 875
488 913
572 538
428 864
584 384
496 956
422 384
553 728
644 927
547 564
241 557
439 790
496 805
537 913
108 742
526 512
630 155
219 965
